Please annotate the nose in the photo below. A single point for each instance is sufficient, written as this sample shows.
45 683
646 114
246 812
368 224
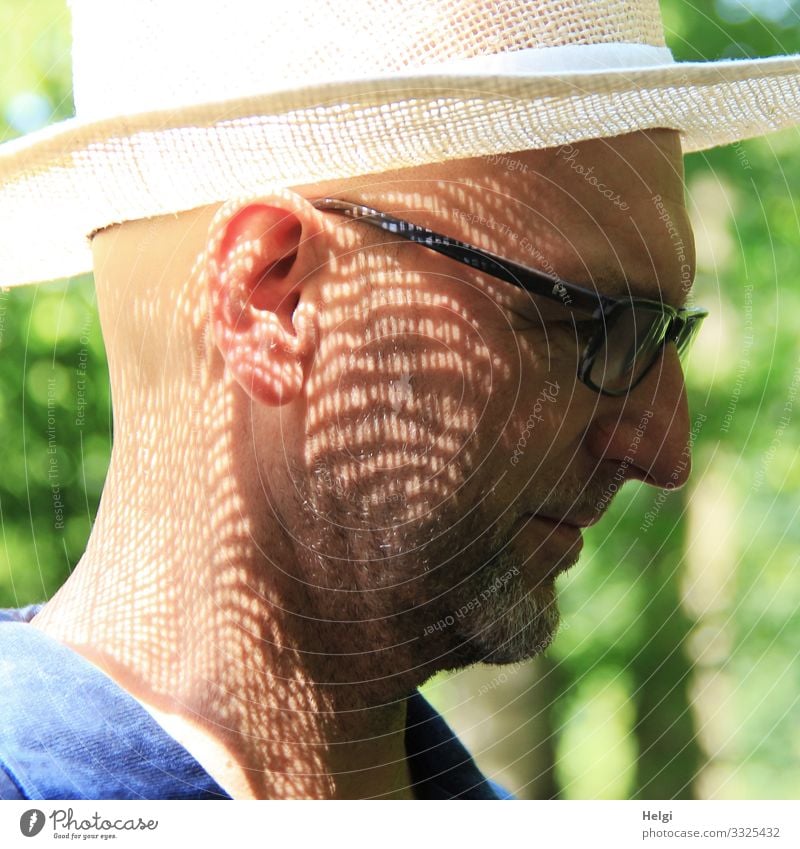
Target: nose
647 431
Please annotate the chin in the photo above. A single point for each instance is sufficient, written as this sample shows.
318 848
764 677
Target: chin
516 652
519 630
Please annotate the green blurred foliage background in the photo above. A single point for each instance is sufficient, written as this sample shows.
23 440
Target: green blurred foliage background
675 674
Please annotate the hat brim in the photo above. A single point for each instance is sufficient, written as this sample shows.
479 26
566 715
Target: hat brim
68 180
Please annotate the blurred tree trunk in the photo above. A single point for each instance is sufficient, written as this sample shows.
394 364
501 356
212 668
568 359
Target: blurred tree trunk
668 753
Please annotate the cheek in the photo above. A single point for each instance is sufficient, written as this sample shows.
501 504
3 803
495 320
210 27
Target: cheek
533 424
400 411
537 426
421 396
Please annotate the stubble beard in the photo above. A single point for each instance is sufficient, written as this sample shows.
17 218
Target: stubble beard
444 588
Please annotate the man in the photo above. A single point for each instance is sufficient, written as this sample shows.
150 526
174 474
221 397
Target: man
344 460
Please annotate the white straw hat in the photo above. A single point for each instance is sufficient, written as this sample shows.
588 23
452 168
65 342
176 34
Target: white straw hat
180 105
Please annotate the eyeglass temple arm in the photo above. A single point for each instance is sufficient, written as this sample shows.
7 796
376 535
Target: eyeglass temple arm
533 281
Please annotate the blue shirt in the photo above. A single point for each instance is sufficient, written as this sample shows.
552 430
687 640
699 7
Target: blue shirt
67 731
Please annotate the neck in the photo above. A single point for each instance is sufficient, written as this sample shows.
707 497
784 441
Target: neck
176 601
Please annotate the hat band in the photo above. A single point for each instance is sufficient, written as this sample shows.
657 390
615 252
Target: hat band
562 59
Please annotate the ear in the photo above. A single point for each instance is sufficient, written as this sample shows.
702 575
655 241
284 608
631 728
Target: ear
260 256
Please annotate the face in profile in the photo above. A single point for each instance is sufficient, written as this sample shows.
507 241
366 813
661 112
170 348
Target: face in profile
443 457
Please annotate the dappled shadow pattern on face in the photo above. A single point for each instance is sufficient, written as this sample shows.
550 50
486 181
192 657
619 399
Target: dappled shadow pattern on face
284 575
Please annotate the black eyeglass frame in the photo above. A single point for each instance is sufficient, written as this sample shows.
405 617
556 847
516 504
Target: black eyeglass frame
677 325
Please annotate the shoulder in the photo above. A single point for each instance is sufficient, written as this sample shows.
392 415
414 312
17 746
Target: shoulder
67 731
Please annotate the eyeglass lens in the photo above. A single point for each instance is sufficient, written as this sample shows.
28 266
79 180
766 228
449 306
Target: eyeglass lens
633 342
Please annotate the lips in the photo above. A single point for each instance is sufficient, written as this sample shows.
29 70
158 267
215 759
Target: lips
577 522
553 544
573 521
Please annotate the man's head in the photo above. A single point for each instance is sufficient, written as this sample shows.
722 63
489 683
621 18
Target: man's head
379 421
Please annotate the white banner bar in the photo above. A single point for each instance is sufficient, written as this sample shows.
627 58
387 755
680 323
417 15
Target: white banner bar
385 825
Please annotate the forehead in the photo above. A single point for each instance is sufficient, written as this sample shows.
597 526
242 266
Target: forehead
606 213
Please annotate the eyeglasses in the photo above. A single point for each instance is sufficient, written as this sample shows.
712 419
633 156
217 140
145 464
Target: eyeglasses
626 337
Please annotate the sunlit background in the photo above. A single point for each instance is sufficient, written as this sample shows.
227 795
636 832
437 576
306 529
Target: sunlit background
676 672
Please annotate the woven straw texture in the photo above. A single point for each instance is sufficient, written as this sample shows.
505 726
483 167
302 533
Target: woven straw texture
304 41
74 178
